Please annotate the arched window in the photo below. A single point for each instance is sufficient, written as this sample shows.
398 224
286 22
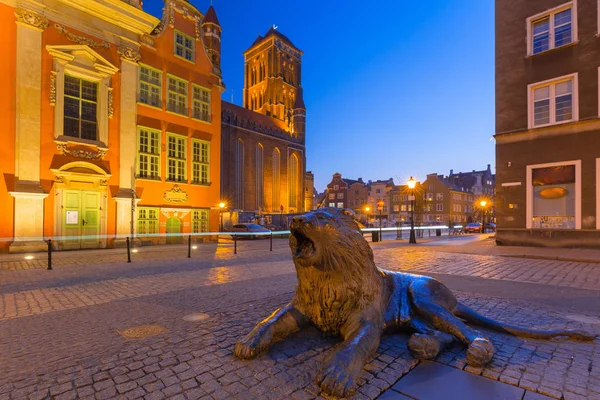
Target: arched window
276 180
293 181
259 176
239 174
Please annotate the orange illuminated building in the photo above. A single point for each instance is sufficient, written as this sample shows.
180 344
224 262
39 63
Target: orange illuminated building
111 122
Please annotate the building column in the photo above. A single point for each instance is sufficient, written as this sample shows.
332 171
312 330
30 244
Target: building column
29 195
127 147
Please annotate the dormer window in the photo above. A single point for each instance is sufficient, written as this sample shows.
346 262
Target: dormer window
184 46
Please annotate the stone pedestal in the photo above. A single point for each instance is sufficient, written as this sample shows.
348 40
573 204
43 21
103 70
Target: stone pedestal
29 221
124 218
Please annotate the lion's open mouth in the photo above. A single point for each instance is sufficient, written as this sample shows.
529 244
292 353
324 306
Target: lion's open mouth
304 246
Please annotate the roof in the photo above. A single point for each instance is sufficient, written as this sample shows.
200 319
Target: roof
253 120
273 32
211 16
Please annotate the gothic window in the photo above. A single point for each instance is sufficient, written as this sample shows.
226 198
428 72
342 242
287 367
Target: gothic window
259 176
276 179
293 181
239 174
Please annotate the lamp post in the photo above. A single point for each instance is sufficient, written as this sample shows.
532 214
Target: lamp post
367 209
411 185
483 203
221 207
380 208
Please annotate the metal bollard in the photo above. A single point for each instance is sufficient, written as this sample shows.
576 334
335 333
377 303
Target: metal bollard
49 254
271 244
190 246
234 244
128 250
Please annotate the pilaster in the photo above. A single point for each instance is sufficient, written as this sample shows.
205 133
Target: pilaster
128 121
29 227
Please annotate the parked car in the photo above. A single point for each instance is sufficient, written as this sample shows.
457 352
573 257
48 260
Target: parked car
250 228
473 227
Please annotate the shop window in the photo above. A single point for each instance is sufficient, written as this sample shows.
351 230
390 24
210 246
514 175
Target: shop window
554 197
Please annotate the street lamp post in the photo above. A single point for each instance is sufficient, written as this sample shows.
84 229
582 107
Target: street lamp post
367 209
411 185
221 207
380 207
483 203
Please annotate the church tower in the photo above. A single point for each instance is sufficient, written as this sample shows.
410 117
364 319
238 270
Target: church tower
272 84
211 30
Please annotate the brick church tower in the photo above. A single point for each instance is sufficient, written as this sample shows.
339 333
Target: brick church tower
272 84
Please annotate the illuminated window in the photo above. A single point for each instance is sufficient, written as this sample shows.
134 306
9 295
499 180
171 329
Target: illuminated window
340 205
150 86
199 221
336 187
403 207
147 221
177 92
553 101
554 196
184 46
200 161
439 196
148 156
552 29
331 204
81 106
176 161
201 106
331 196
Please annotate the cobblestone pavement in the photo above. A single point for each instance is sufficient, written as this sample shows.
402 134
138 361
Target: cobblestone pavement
59 330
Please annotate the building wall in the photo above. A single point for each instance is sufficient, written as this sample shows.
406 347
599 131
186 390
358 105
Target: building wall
309 190
338 189
518 147
358 197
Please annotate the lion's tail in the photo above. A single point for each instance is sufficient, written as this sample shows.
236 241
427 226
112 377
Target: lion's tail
469 315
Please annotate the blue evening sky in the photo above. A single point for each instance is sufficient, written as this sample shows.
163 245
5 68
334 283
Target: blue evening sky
393 88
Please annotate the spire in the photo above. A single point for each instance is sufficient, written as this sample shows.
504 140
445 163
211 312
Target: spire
211 16
299 103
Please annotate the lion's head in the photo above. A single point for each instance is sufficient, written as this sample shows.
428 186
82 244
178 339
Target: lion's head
329 239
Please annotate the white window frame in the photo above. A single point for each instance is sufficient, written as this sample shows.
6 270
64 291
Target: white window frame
340 205
439 207
198 102
439 197
178 95
177 45
197 222
150 85
550 13
146 220
552 84
202 162
150 155
185 143
529 190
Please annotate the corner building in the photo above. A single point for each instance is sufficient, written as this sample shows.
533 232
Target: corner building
111 122
263 142
547 123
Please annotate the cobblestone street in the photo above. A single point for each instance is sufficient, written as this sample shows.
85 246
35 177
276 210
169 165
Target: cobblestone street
62 331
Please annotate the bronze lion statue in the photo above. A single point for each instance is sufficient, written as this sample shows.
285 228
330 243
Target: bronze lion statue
341 291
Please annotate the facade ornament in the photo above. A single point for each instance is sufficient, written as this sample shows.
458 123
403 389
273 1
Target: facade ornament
80 153
176 195
53 88
103 182
30 18
110 102
80 39
177 7
147 40
129 54
59 179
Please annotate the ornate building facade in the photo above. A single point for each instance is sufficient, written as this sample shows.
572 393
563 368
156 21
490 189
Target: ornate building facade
263 143
112 122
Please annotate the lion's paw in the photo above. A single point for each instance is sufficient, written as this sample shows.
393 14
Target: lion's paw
423 347
249 346
480 352
337 380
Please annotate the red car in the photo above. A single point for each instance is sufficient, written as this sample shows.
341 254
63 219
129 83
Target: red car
473 227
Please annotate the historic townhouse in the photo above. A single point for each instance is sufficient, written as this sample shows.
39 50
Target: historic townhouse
547 122
263 142
111 122
336 194
444 203
379 192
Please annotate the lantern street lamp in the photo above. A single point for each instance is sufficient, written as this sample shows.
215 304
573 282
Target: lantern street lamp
411 185
482 204
221 207
380 208
367 209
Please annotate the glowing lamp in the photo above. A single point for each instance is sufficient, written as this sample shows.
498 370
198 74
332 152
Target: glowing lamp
411 183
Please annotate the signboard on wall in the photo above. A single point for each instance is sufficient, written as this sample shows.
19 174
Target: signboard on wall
72 217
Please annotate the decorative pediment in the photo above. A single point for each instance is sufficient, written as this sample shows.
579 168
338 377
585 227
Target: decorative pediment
82 54
176 195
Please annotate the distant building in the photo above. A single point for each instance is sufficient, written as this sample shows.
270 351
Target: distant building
309 190
263 143
547 123
358 195
444 203
480 183
379 192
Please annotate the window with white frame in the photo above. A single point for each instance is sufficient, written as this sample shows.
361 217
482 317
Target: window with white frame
184 46
201 106
177 95
336 187
81 108
340 195
176 160
199 221
554 196
340 205
148 155
200 161
553 102
439 207
439 196
331 196
403 207
147 221
331 204
150 86
551 29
